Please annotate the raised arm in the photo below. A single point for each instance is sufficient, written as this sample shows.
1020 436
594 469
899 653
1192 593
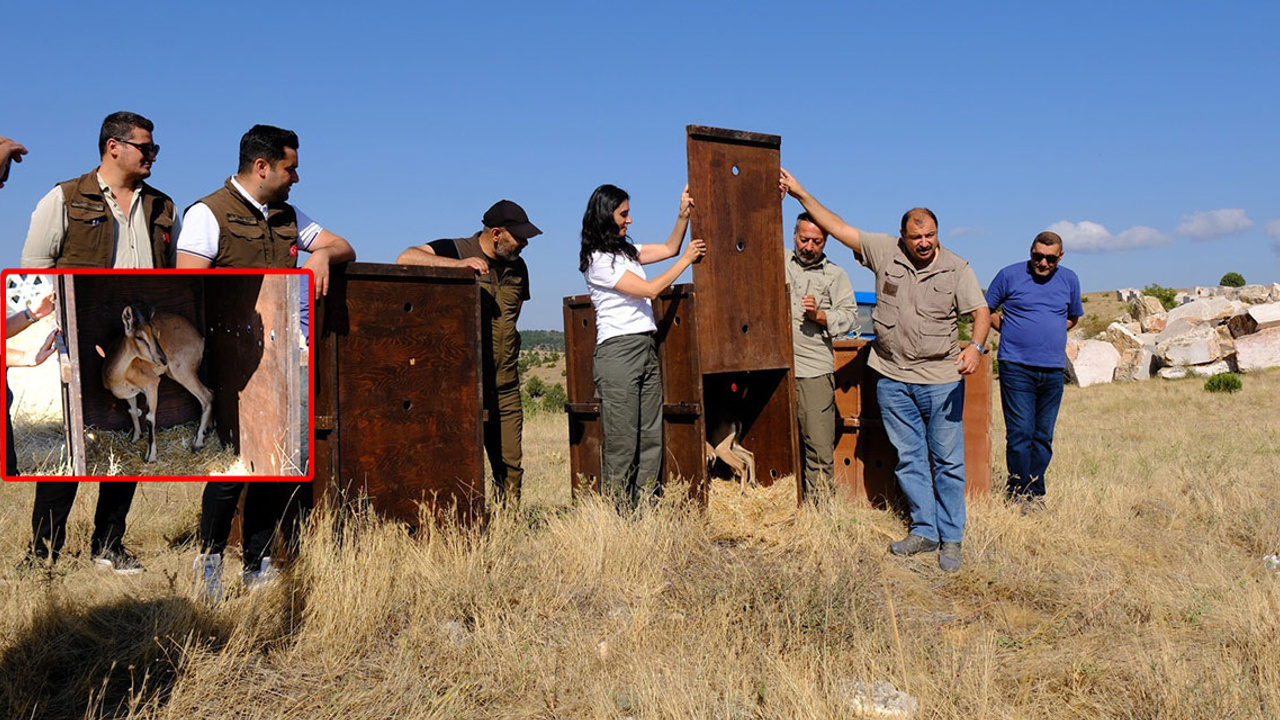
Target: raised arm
830 222
632 284
671 248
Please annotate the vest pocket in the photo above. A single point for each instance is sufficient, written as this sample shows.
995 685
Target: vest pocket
936 342
90 214
240 231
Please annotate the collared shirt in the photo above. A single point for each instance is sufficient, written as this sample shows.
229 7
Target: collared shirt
918 310
49 228
200 232
830 287
617 313
1034 313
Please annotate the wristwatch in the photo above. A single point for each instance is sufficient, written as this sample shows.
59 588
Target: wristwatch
982 348
31 319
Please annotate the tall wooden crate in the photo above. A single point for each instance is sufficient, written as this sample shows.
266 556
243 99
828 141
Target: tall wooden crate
398 403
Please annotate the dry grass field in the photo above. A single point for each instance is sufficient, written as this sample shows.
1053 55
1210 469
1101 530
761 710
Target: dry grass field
1140 592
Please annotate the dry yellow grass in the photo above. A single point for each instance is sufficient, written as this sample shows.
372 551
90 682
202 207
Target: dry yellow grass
1138 593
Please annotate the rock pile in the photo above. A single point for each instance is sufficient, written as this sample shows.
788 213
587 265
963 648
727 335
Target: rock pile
1212 330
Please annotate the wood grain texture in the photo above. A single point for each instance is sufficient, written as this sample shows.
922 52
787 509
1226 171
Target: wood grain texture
406 390
743 310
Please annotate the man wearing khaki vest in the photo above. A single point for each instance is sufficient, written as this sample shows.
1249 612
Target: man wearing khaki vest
106 218
247 223
922 289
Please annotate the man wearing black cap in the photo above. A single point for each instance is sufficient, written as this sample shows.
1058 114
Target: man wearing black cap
494 253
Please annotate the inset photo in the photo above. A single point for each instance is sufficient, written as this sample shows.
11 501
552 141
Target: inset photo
157 375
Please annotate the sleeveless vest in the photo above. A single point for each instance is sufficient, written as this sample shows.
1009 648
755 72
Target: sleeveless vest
90 241
246 239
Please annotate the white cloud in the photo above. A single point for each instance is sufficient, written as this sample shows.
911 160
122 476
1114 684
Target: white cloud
1092 237
967 232
1214 224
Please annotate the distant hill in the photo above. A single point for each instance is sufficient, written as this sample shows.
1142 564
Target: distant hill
545 339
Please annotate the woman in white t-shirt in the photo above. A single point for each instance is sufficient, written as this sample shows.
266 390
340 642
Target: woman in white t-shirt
628 378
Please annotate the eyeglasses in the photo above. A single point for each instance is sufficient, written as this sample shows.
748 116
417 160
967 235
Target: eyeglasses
150 150
1051 259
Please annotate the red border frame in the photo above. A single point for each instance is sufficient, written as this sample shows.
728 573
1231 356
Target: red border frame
311 373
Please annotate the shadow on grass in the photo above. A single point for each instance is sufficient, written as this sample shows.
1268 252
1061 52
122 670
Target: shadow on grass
71 659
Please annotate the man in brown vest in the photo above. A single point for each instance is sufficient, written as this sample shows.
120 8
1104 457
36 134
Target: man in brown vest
247 224
106 218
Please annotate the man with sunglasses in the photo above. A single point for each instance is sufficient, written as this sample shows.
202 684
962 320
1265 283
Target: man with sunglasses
1033 305
494 253
248 223
107 218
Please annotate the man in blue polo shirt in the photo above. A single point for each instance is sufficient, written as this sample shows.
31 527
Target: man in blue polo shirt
1033 305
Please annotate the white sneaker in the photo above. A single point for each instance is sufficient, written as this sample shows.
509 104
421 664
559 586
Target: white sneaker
208 577
266 574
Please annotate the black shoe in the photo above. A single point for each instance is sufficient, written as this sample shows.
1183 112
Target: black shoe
912 545
949 557
118 560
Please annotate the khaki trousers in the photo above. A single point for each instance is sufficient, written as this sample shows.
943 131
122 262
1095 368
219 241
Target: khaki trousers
816 413
502 441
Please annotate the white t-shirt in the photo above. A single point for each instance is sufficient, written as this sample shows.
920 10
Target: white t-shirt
617 313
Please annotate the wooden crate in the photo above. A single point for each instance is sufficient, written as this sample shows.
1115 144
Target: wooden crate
252 356
399 407
864 457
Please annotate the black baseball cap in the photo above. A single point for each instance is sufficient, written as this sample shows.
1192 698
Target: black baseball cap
506 214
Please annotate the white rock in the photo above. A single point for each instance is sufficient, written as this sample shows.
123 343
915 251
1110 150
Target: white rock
1135 354
1205 292
1205 310
1275 292
1211 369
1267 316
1181 326
1196 347
1183 297
1255 294
1258 351
1173 373
876 699
1095 363
1150 313
1127 295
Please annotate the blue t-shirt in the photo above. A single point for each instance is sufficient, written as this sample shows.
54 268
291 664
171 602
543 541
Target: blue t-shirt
1033 325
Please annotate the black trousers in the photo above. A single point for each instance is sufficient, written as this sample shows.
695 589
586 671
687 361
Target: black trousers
10 454
266 505
53 505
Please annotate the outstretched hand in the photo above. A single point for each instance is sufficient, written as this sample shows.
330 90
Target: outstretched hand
10 150
48 348
788 184
44 309
686 202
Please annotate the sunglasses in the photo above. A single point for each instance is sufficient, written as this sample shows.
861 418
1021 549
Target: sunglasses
1051 259
150 150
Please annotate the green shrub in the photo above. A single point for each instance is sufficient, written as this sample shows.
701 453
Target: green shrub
1163 294
535 387
1223 382
1232 279
554 400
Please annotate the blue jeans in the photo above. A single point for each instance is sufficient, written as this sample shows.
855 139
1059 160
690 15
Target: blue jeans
1030 397
925 423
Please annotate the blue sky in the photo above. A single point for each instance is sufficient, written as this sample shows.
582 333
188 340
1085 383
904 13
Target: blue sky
1146 133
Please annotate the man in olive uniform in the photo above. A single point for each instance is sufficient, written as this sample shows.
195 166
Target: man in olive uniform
494 253
247 223
107 218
